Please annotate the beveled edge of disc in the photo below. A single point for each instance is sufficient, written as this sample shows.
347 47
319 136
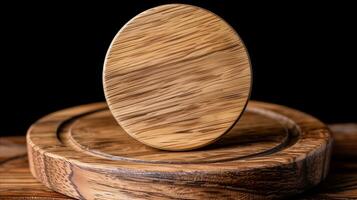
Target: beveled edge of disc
249 66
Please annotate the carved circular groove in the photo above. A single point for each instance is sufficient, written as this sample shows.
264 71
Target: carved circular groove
81 153
177 77
98 134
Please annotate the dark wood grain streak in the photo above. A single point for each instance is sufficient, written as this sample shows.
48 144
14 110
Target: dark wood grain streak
73 152
177 77
16 181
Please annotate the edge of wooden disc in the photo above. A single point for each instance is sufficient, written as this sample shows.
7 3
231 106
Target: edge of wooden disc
184 146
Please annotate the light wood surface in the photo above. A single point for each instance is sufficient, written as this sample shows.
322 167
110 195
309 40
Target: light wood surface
177 77
273 151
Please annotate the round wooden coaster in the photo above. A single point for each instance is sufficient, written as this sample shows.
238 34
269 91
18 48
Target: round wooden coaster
177 77
273 151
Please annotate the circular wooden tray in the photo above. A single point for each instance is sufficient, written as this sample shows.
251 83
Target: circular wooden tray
273 151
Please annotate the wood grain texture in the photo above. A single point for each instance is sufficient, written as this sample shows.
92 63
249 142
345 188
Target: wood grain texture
177 77
341 183
16 181
273 152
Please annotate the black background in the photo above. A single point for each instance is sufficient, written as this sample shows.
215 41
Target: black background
303 55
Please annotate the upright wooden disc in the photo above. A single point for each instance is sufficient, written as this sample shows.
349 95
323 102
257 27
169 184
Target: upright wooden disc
177 77
272 152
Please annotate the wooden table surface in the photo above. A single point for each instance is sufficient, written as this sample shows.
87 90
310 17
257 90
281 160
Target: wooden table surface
16 181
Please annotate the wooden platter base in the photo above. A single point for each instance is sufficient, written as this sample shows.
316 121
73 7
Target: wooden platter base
272 152
16 181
